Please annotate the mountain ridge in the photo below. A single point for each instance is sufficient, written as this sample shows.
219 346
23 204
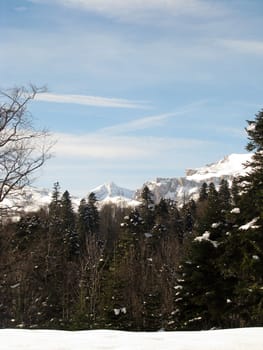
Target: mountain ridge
179 189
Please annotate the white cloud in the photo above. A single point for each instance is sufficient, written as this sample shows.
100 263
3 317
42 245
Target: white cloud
20 8
138 10
253 47
109 147
138 124
151 121
89 100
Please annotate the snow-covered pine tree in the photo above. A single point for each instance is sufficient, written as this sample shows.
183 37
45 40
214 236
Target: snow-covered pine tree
202 292
245 243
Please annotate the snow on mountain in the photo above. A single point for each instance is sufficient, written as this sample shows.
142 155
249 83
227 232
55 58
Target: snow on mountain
110 193
31 199
184 188
179 188
232 165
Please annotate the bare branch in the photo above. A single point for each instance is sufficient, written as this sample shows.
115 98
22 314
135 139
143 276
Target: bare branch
22 148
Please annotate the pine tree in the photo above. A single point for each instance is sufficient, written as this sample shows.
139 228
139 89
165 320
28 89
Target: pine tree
82 224
211 212
88 220
203 291
93 214
147 209
224 196
67 217
244 250
203 192
254 179
55 205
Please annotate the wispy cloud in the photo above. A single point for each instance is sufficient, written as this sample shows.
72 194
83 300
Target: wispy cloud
20 8
254 47
150 121
111 147
138 124
96 101
137 10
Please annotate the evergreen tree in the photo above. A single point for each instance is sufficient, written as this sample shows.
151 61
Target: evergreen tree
203 192
92 214
254 179
244 250
55 205
82 224
203 291
224 196
147 209
67 217
189 213
211 212
176 222
88 220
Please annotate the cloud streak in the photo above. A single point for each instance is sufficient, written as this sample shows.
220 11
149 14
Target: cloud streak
137 10
138 124
150 121
112 147
95 101
254 47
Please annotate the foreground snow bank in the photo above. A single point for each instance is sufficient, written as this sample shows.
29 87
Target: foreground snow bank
231 339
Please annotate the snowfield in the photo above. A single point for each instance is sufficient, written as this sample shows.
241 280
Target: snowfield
230 339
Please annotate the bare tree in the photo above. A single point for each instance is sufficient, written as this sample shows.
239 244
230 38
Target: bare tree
22 148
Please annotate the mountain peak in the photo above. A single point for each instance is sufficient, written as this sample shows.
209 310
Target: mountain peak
182 189
179 189
111 190
231 165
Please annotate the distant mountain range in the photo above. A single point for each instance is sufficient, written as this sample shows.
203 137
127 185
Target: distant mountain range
184 188
179 188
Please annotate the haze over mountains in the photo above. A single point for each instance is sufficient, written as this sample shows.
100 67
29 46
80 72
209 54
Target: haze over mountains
179 188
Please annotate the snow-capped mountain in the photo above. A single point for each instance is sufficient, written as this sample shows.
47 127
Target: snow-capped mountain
111 193
184 188
179 188
30 199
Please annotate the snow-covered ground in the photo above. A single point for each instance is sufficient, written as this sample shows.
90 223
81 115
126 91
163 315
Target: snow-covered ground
234 339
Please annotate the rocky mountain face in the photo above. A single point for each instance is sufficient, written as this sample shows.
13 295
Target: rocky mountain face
184 188
179 188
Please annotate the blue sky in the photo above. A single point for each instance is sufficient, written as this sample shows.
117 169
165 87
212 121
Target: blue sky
136 89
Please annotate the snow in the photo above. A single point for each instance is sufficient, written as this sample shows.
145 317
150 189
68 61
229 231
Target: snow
230 165
111 193
235 211
229 339
250 225
251 127
178 188
181 189
215 224
206 237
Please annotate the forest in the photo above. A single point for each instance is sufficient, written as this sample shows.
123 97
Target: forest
154 267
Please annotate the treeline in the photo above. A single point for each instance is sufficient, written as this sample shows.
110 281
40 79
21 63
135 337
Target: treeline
113 268
156 266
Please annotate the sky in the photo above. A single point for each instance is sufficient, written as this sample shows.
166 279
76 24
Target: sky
135 89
